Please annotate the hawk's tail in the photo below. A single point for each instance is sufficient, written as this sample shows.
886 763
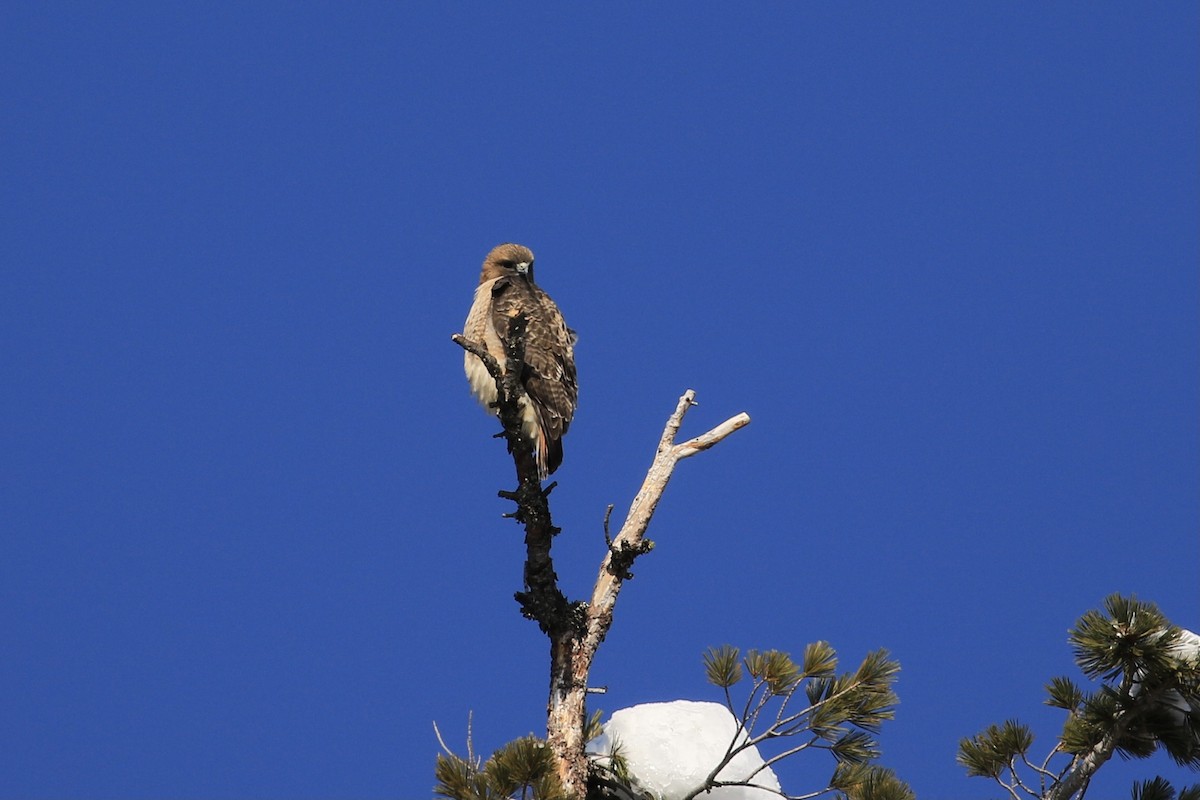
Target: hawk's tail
550 454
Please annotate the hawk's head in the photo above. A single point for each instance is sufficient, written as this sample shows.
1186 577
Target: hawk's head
508 259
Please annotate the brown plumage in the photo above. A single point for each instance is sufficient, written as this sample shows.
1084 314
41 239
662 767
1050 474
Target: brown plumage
506 288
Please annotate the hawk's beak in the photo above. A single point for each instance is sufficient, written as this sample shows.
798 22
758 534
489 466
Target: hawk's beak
523 268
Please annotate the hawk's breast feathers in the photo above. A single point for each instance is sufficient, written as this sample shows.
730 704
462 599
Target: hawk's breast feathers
506 289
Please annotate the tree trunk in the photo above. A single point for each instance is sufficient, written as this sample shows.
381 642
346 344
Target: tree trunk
566 713
576 629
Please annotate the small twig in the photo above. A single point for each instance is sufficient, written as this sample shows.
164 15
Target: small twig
780 756
707 440
470 747
748 785
731 750
1011 790
758 684
442 741
1043 773
479 351
471 738
1020 784
763 699
811 795
787 698
509 391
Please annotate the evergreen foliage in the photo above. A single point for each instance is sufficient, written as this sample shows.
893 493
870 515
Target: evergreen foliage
524 768
869 782
842 714
1148 698
1160 789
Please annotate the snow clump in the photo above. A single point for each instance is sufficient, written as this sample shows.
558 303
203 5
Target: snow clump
671 748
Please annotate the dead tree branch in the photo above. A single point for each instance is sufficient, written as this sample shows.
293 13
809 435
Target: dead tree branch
541 600
576 629
630 541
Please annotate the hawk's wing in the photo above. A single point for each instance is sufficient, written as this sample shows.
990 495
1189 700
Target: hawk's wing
549 376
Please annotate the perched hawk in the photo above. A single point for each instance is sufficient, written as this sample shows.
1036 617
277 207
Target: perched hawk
506 288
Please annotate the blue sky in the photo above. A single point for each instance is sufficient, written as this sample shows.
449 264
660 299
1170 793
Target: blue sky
944 255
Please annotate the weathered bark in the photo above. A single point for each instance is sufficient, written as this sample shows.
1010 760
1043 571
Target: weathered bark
576 629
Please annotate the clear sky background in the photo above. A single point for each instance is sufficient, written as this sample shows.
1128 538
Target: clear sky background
944 254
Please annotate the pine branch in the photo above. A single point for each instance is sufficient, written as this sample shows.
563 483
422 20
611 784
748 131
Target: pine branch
1136 654
1083 768
858 699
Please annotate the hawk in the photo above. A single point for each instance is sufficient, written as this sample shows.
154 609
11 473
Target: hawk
506 288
